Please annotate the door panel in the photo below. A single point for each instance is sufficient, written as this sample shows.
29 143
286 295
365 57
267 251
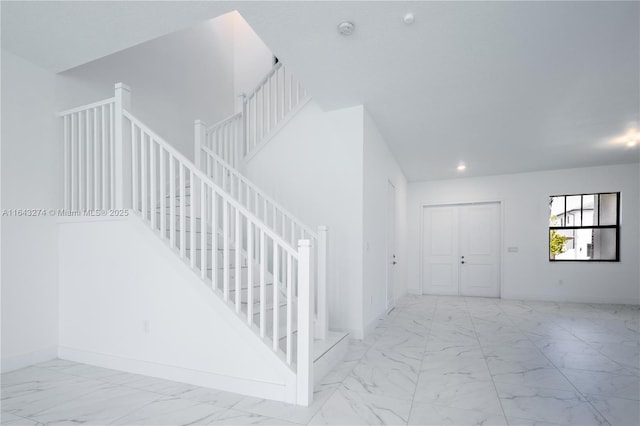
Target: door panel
440 256
479 246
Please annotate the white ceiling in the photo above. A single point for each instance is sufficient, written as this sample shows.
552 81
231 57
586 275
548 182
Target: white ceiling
504 86
59 35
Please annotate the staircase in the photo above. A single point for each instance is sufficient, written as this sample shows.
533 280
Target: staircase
220 151
265 264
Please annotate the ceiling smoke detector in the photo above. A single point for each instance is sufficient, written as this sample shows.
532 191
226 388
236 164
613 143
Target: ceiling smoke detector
408 18
346 28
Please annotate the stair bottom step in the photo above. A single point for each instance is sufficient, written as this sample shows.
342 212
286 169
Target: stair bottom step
328 353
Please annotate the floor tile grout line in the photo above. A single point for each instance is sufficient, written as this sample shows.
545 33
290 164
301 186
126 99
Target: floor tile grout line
358 361
562 374
495 388
133 411
18 415
426 341
575 387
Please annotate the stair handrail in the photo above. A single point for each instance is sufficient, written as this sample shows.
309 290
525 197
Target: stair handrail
266 78
231 171
224 121
261 117
264 109
86 107
220 191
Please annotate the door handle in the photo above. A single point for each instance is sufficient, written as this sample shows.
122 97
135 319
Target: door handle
462 262
394 262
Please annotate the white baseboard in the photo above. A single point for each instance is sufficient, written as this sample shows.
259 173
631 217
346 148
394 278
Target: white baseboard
273 391
573 299
369 328
25 360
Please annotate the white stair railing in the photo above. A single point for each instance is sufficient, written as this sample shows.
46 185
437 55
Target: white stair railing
223 139
89 157
280 221
206 226
219 150
264 109
268 104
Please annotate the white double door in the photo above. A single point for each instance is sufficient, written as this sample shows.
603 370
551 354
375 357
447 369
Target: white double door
461 250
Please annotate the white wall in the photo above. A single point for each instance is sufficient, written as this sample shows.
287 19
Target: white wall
174 80
380 167
528 274
252 59
314 168
127 301
31 178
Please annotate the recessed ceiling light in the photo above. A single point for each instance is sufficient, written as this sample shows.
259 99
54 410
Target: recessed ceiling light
630 139
408 18
461 167
346 28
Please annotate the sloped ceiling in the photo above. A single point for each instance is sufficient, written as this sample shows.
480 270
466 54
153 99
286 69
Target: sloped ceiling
59 35
504 86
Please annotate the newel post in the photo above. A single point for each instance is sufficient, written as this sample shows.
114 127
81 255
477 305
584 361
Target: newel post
199 133
122 102
304 374
322 320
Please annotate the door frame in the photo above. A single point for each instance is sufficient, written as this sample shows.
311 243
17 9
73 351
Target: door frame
390 304
500 203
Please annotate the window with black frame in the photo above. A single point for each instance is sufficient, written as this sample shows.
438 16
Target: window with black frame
584 227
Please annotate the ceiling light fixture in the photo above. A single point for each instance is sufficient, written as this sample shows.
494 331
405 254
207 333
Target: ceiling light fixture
630 139
408 18
461 166
346 28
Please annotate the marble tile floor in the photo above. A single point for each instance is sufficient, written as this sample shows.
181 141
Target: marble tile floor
432 361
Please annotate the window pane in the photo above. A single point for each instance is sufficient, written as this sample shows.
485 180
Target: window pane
582 244
570 244
588 203
604 244
573 214
608 209
559 240
556 215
